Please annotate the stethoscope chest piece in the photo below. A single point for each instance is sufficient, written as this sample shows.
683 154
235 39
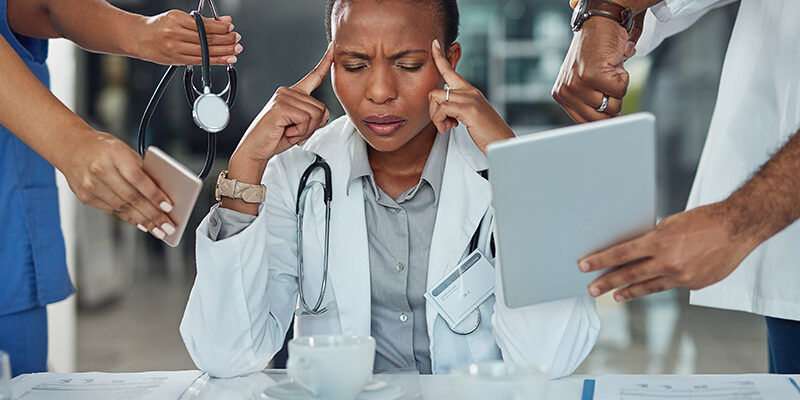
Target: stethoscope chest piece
211 113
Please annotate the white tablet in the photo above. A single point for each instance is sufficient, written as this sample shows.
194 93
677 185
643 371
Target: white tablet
563 194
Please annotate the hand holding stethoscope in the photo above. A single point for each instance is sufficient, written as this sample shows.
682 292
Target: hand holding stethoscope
290 117
462 102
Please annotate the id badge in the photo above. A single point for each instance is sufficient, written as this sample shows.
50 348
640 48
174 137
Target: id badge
463 289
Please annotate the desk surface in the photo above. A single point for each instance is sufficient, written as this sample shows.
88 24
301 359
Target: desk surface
415 386
253 386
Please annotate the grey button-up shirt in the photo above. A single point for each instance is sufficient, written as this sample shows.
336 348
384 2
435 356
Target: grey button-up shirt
399 232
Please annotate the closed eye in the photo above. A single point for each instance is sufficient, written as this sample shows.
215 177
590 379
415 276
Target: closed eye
353 68
411 67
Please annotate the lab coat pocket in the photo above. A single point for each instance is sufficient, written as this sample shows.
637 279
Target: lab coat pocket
482 343
326 323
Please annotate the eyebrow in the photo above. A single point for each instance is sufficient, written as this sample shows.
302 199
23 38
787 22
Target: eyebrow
392 57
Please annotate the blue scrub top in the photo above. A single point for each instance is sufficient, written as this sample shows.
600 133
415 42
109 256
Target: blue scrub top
33 268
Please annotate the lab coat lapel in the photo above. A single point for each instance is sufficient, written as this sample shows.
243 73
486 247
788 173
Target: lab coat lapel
463 201
349 251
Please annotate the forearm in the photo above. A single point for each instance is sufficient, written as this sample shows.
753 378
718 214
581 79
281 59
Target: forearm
95 25
33 114
243 169
770 200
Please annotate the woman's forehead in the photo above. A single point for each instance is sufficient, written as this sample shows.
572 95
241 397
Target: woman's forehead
394 23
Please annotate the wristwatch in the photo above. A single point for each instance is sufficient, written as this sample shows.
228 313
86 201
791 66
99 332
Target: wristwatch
601 8
234 189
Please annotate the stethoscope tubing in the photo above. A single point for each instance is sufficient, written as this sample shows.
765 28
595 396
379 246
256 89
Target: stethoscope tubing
302 191
191 91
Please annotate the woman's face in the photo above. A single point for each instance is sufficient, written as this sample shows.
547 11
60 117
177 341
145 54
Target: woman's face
383 69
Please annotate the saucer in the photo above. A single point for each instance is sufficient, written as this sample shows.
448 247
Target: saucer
373 390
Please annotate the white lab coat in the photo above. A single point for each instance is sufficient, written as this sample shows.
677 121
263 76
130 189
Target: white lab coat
757 110
246 288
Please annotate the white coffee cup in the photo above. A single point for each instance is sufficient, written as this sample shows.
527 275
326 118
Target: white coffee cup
334 367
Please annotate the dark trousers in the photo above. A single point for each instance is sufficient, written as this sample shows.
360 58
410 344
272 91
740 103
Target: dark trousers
783 341
23 336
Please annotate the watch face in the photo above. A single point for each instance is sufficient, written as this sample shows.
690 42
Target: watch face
578 15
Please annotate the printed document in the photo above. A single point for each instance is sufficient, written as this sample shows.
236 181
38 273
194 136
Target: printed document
100 385
716 387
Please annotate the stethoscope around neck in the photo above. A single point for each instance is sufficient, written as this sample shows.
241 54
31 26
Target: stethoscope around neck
210 111
303 189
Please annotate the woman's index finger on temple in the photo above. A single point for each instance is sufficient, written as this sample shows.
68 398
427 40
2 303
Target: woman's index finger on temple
451 77
317 75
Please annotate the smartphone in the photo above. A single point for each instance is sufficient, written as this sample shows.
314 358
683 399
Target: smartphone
179 183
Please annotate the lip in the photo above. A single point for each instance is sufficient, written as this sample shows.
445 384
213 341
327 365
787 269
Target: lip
383 125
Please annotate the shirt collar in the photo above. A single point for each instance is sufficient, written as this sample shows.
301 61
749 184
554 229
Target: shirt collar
432 173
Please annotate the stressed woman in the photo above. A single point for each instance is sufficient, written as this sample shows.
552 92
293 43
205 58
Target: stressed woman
409 202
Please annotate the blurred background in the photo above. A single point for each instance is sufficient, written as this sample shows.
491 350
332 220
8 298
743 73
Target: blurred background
131 289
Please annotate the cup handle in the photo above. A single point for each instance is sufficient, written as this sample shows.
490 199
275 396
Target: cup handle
297 368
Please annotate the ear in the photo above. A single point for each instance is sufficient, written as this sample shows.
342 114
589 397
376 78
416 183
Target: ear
454 54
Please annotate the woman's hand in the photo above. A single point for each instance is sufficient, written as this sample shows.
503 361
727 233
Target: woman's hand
107 174
171 38
465 104
290 117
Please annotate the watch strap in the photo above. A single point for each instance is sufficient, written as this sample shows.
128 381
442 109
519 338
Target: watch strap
247 192
607 9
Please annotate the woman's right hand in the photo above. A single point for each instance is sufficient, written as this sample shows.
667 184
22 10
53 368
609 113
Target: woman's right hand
290 117
106 174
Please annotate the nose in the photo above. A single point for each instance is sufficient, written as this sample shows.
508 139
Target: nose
381 87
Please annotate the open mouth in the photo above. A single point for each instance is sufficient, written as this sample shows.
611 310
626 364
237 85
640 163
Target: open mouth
385 124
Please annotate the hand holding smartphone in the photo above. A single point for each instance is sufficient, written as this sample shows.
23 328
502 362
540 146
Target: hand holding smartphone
179 183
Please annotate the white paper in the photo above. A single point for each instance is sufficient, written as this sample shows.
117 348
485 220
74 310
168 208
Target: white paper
716 387
100 385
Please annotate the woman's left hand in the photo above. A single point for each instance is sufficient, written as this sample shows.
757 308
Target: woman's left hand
465 104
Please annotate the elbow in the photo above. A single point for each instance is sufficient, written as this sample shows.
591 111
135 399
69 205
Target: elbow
579 338
221 358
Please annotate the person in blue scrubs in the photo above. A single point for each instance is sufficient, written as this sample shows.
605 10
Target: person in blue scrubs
38 133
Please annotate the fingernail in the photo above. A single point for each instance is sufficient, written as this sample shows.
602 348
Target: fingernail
165 206
238 48
583 266
231 60
158 233
436 44
167 227
238 36
619 298
141 227
230 28
594 291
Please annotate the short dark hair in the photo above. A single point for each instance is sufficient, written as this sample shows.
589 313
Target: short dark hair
446 10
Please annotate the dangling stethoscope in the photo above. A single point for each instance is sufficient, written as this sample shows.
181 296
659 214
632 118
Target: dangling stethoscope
210 112
302 193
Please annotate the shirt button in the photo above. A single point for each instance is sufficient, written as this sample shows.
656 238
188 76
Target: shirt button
214 222
403 317
400 267
396 210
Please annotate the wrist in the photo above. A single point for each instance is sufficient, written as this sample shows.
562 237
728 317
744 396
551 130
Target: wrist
134 36
745 225
246 169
